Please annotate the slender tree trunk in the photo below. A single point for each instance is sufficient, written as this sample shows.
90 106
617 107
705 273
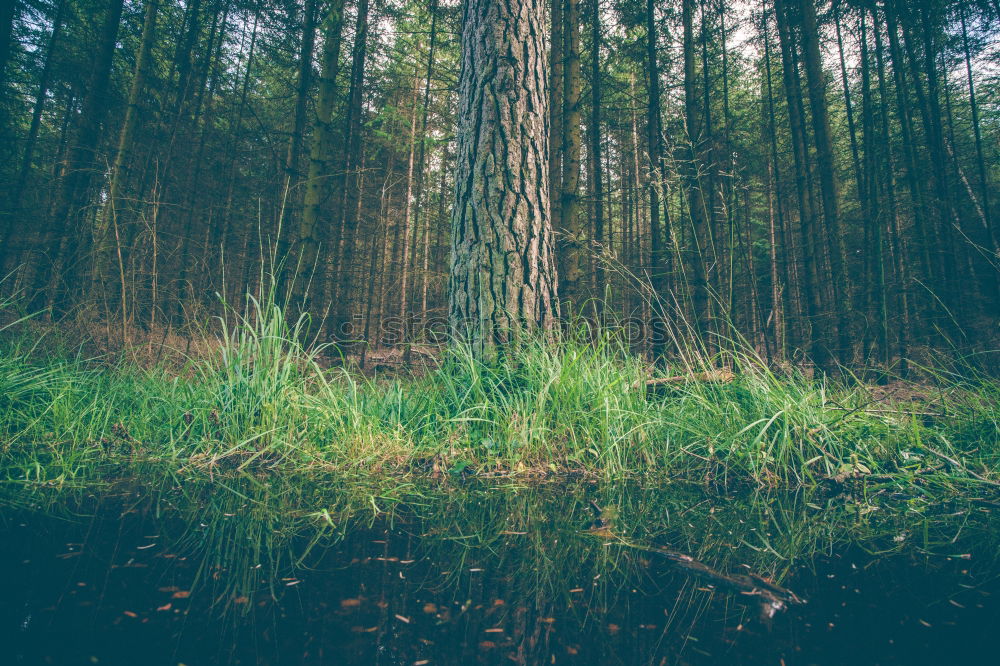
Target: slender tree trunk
557 41
440 258
729 197
896 245
637 263
925 237
404 281
713 236
943 250
81 165
8 14
984 187
841 288
503 277
849 108
379 233
698 206
200 116
422 154
781 286
950 221
36 114
596 174
809 273
571 251
868 183
293 160
654 127
225 223
320 158
344 247
111 212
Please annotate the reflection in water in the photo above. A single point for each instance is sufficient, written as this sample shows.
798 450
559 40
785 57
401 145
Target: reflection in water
251 571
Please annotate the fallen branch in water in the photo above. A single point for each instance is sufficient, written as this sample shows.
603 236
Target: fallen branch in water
773 597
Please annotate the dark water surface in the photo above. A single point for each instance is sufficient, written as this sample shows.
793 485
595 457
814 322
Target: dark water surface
261 572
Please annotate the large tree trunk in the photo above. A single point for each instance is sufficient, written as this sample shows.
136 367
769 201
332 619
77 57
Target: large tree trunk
503 276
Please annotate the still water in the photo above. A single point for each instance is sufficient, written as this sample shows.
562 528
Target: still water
261 571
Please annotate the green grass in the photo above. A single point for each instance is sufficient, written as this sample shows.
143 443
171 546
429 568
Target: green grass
262 401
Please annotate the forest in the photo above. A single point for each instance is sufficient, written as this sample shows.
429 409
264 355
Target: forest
499 331
815 182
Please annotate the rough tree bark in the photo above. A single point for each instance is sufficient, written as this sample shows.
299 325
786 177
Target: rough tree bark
503 275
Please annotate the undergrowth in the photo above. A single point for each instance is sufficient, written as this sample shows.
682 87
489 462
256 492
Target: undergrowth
262 401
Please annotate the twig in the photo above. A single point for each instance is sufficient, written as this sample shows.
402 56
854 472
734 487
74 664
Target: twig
962 467
893 412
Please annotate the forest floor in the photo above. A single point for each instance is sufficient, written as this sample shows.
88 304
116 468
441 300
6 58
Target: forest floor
253 399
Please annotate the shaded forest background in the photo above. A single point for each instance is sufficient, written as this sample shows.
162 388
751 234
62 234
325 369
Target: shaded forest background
816 180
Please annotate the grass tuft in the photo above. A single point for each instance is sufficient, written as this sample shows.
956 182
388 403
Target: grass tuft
262 400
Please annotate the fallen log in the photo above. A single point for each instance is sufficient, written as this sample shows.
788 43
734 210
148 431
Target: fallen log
773 597
708 377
